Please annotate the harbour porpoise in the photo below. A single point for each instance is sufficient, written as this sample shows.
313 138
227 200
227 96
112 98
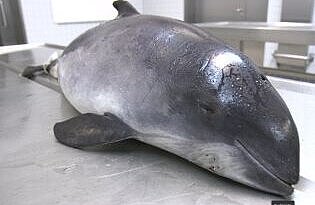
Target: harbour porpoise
172 85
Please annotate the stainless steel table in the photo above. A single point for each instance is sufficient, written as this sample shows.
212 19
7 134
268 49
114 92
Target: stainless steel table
35 169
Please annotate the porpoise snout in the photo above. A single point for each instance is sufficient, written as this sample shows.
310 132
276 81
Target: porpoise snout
276 148
259 176
260 123
270 145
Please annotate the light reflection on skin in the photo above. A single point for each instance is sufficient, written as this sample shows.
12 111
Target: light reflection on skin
214 66
226 58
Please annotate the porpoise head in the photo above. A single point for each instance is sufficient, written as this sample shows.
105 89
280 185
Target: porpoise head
240 126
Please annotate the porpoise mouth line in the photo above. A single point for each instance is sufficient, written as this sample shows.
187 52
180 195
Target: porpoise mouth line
244 149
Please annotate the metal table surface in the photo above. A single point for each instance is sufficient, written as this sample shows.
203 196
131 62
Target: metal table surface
35 169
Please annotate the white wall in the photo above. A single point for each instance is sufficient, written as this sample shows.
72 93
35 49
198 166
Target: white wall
40 27
169 8
311 49
273 15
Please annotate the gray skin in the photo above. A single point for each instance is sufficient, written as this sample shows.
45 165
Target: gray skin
184 91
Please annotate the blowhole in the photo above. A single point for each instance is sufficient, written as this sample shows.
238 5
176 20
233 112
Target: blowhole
263 77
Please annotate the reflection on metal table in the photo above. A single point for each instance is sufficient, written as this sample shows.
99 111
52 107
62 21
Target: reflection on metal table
35 169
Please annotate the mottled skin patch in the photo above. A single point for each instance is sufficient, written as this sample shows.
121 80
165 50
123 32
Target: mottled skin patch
187 92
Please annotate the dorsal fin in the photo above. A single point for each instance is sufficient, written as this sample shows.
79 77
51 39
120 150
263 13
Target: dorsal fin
124 8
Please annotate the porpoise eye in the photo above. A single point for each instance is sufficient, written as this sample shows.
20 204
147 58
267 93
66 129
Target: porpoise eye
206 108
